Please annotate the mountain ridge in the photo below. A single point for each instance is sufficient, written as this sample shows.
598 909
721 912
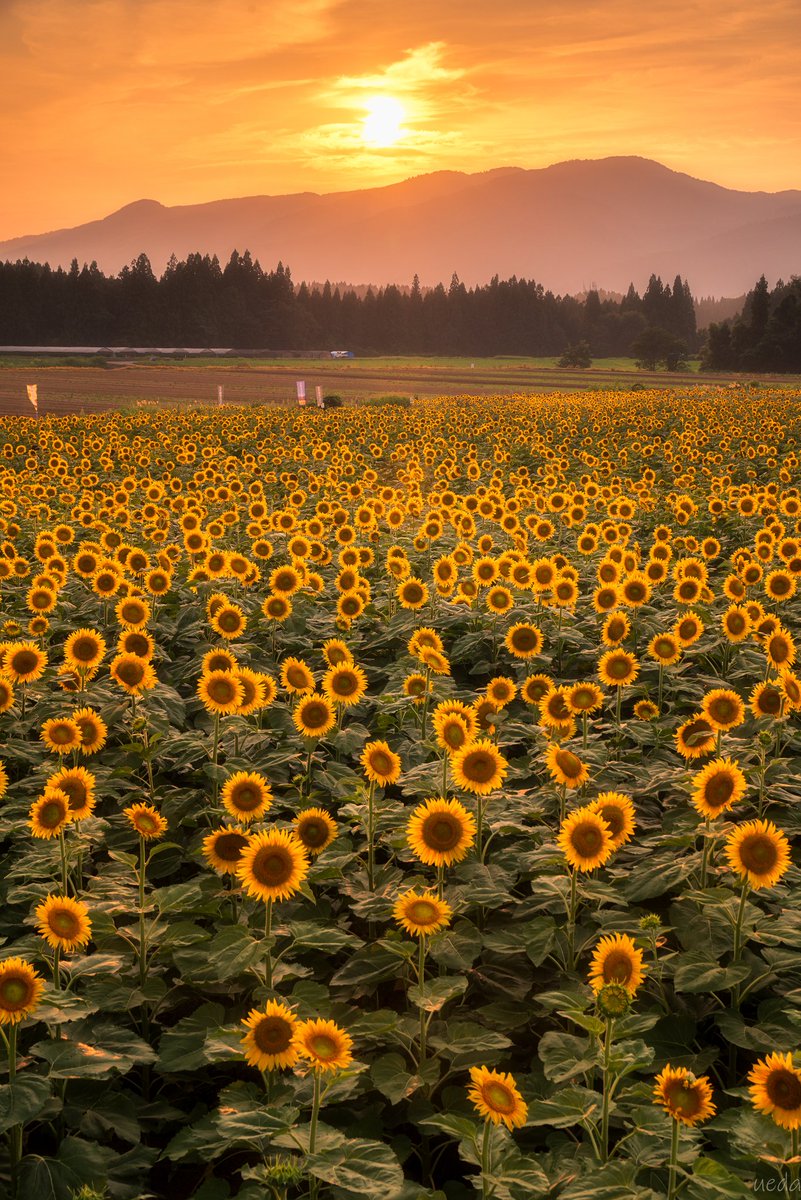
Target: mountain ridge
610 222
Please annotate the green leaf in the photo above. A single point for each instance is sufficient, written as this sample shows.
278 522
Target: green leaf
22 1100
716 1180
391 1077
520 1178
93 1051
564 1056
463 1128
435 994
696 972
359 1167
569 1106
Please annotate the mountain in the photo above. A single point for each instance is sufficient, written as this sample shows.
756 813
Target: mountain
570 226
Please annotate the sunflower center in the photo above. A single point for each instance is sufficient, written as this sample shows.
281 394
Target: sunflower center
454 734
413 592
344 684
735 623
618 668
297 677
613 817
14 992
758 853
664 648
137 643
223 691
780 585
272 866
131 673
779 649
684 1098
229 846
315 715
479 766
24 661
722 710
441 832
246 797
587 839
51 814
770 701
582 697
380 762
323 1046
61 734
146 823
618 967
616 630
524 639
498 1097
718 790
313 831
784 1089
569 764
422 912
64 923
273 1035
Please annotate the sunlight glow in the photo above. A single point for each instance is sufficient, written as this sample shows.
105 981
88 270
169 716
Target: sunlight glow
383 125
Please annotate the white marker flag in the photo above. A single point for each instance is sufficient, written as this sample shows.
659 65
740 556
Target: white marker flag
219 393
318 391
301 386
33 396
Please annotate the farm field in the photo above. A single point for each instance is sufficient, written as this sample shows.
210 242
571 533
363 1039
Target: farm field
401 803
72 387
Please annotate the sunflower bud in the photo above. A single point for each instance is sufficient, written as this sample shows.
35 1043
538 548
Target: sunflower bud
613 1000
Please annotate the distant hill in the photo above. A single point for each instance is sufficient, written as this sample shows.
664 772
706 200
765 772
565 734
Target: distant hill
571 226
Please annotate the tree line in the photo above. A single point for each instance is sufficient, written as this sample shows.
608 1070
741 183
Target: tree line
765 337
200 303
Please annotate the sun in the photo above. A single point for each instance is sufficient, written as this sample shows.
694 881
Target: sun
383 124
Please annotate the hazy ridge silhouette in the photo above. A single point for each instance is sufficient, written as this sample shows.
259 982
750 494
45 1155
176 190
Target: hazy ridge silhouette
576 224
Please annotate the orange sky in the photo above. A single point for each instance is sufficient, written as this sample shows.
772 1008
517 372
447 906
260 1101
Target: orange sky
108 101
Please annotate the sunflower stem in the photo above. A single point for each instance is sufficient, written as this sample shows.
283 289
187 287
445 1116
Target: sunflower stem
444 786
610 1028
738 939
480 828
585 720
315 1113
268 933
15 1132
440 880
214 754
794 1163
62 846
571 920
309 754
371 836
425 705
142 938
674 1159
485 1161
705 856
421 976
661 682
57 968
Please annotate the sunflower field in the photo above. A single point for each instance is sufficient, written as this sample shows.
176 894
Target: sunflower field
401 803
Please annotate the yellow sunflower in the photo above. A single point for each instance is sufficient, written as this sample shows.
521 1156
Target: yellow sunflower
25 663
273 865
440 832
314 715
222 848
524 641
269 1044
315 829
717 787
345 685
617 668
495 1097
421 913
479 767
78 785
412 593
64 923
246 795
618 812
696 737
686 1097
20 990
50 813
723 708
616 960
147 822
758 852
565 767
93 730
776 1089
296 677
585 839
60 735
324 1045
381 765
220 692
133 674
